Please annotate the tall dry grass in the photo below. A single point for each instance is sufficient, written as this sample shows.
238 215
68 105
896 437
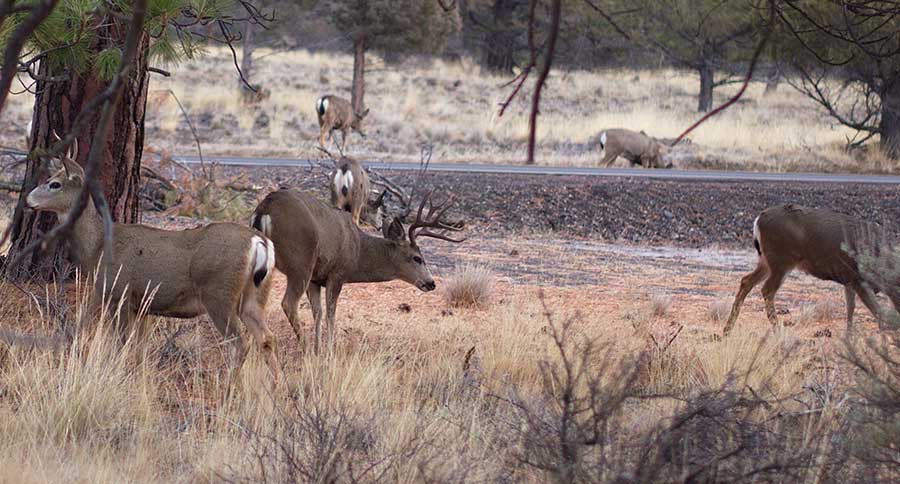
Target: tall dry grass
453 105
520 391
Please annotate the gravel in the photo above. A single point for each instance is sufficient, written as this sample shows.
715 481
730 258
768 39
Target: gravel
656 212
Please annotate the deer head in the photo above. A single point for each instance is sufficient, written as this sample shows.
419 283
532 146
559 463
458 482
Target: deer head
406 256
357 122
59 193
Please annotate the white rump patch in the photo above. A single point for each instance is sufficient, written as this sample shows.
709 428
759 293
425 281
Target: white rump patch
266 223
343 180
603 139
756 232
259 252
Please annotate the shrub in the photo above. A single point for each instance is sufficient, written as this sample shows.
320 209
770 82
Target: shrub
469 286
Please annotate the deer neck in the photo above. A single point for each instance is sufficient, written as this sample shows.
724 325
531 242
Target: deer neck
87 237
372 260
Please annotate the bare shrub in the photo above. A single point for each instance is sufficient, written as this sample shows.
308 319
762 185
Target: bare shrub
817 312
719 310
469 286
659 303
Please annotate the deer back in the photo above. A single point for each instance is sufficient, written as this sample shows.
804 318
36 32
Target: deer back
334 112
814 240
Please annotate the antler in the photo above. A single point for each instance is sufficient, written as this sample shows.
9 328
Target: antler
433 220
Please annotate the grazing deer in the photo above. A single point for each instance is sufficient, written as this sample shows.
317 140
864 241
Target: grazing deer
815 241
222 269
350 190
318 246
637 148
336 114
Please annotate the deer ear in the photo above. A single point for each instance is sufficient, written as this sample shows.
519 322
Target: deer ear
73 169
378 202
394 230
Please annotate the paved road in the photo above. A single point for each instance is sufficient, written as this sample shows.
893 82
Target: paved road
567 170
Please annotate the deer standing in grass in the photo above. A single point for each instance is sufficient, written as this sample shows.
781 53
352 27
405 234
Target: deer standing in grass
317 246
350 190
222 269
637 148
815 241
336 114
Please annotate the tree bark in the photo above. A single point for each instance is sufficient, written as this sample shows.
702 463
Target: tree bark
889 128
358 91
500 43
247 48
705 99
56 107
772 81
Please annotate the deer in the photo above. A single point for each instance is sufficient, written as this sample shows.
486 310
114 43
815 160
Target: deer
819 242
637 148
336 114
221 269
350 190
317 246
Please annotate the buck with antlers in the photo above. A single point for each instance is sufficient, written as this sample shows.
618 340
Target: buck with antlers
817 242
222 269
317 246
351 190
336 114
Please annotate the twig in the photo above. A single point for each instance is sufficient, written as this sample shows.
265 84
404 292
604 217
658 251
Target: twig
190 125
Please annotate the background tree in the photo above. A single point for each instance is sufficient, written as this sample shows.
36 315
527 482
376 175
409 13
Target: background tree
707 36
398 26
847 55
71 59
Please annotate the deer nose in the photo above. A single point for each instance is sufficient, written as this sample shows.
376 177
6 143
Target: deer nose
427 286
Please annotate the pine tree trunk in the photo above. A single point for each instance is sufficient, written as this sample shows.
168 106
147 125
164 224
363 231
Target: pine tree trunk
889 128
247 49
358 90
705 99
500 44
772 81
56 106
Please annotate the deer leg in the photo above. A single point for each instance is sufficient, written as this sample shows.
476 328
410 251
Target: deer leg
314 294
323 132
770 287
290 303
850 297
225 321
868 298
357 211
333 292
608 158
748 282
252 314
343 140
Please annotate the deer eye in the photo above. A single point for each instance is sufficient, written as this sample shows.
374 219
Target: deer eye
418 260
55 185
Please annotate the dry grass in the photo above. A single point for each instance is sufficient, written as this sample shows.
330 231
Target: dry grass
453 105
719 310
469 286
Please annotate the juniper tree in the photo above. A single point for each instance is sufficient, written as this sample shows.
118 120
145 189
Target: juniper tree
71 58
703 35
847 55
398 26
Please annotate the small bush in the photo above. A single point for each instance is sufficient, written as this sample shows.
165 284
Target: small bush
660 304
469 286
719 310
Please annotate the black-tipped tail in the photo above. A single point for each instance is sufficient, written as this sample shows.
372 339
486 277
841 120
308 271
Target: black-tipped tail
259 276
756 244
